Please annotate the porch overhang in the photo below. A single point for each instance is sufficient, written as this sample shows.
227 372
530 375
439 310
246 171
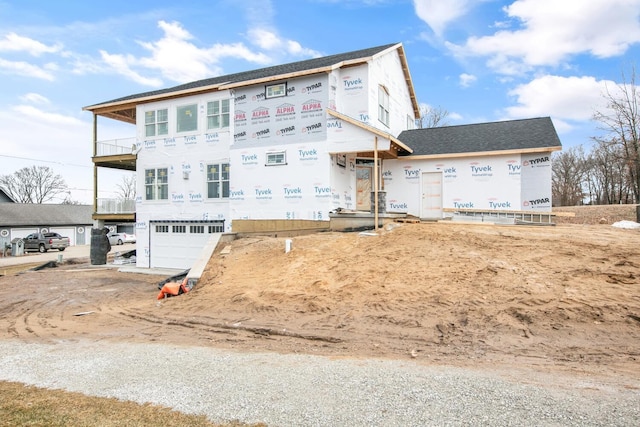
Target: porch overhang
392 150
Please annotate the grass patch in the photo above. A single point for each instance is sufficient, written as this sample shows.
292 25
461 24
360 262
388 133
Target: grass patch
22 405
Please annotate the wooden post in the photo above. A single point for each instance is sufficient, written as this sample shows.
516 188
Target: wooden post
95 168
375 183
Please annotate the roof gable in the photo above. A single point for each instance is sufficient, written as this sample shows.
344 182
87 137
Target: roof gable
512 135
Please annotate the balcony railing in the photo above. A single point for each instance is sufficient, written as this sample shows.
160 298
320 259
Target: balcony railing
116 206
114 147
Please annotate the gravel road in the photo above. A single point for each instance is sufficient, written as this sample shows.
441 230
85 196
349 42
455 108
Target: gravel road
303 390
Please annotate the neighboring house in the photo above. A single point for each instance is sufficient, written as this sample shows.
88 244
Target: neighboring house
5 198
22 219
292 143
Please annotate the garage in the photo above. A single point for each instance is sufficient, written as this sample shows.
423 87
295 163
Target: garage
65 232
178 244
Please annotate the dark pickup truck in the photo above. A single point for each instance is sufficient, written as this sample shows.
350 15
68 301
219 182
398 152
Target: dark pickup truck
42 242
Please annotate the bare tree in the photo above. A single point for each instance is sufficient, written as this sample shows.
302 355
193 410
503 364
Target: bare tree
127 187
432 117
35 184
607 174
621 120
567 177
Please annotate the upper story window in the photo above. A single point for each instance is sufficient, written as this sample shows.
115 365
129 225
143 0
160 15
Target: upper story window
156 184
411 122
187 118
275 91
383 105
218 114
276 158
218 181
156 122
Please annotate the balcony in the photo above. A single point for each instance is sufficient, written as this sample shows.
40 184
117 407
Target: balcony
116 154
115 209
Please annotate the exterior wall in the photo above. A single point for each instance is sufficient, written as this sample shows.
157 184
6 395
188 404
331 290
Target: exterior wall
386 70
536 182
185 155
294 125
483 182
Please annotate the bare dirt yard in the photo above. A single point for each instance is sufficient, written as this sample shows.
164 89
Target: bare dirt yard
564 297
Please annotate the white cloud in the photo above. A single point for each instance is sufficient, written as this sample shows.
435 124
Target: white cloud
44 117
22 68
121 64
566 99
34 98
269 40
179 60
438 13
467 80
176 57
551 31
15 43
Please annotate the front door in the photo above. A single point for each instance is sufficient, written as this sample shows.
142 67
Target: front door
431 195
364 186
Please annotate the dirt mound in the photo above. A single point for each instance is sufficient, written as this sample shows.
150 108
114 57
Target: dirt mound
447 293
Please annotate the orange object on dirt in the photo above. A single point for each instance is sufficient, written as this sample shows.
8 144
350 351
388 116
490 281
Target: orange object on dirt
173 289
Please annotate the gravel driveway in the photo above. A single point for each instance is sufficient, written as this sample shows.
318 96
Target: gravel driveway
303 390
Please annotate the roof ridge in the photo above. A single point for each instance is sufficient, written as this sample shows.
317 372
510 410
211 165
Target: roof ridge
248 75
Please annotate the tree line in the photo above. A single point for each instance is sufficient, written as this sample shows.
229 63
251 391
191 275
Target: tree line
40 184
610 172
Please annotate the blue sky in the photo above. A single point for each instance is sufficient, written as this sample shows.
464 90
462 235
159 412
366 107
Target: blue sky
481 60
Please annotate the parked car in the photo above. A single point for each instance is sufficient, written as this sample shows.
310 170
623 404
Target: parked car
42 242
121 238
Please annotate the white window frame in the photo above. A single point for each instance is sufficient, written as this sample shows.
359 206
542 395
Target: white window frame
188 109
411 122
154 188
220 179
156 122
218 111
276 158
276 91
383 105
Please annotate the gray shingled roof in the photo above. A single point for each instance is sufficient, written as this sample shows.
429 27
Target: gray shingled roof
482 137
277 70
27 214
5 198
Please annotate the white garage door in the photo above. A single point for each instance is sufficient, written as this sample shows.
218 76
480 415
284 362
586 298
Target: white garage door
22 232
66 232
178 244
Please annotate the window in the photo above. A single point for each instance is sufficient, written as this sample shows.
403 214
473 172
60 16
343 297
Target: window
276 158
411 122
276 91
179 228
218 181
162 228
196 229
218 228
187 118
156 122
383 105
218 114
156 184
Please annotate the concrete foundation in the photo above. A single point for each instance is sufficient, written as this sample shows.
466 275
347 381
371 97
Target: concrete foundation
358 221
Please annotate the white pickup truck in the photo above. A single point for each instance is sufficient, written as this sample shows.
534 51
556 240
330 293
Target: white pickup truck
42 242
